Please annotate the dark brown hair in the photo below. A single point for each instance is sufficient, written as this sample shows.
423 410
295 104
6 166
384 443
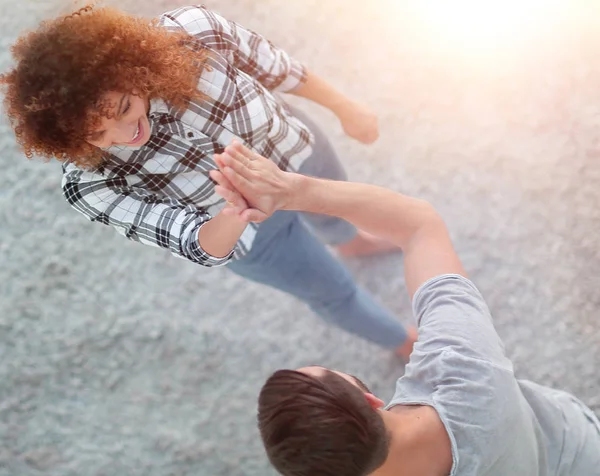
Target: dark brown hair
319 426
65 67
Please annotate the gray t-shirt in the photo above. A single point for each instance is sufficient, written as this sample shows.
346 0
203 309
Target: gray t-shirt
498 425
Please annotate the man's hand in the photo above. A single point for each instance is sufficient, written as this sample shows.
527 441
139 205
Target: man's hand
358 122
253 186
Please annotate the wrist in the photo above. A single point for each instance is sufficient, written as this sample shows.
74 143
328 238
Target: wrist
235 221
295 186
218 236
229 222
341 106
321 92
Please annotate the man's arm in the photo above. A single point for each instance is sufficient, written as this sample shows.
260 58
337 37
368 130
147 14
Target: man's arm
412 224
452 315
450 310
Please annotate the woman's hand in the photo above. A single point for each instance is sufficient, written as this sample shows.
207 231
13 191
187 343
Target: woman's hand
358 122
235 202
253 186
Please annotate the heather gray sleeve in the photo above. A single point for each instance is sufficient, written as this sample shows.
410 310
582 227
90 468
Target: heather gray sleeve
452 315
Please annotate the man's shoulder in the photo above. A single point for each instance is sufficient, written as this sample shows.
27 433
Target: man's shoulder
453 315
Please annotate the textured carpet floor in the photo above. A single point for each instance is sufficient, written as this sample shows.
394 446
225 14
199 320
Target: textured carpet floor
116 359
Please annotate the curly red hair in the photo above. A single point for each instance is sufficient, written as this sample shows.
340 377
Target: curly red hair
64 69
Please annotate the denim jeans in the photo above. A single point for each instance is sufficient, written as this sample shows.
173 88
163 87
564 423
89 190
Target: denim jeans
287 255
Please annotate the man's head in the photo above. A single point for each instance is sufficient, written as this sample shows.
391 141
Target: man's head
318 422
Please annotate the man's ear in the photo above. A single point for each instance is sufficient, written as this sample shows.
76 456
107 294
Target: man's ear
376 403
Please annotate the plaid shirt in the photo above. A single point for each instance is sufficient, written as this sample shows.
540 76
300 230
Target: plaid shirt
160 194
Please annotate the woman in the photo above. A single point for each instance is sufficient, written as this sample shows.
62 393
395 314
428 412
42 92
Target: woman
138 113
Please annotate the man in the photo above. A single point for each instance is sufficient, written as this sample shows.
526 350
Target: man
458 410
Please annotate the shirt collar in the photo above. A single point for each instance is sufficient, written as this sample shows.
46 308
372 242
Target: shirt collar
158 106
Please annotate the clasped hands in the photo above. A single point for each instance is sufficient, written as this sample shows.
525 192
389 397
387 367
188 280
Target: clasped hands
253 186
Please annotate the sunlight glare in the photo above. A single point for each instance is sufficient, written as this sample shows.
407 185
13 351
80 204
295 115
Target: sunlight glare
484 24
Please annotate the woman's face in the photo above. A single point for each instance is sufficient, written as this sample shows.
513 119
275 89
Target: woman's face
128 126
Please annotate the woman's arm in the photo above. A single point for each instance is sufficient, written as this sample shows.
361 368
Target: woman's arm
188 232
245 49
219 235
275 69
357 121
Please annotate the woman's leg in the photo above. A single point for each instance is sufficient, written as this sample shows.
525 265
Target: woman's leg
287 256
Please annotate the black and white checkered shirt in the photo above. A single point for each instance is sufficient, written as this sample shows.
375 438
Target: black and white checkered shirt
160 194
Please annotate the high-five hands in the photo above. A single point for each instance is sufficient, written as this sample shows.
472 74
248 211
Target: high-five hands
253 186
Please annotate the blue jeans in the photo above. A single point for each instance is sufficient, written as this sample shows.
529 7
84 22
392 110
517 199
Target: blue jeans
287 255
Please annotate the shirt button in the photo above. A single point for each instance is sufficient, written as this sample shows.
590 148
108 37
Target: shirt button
190 134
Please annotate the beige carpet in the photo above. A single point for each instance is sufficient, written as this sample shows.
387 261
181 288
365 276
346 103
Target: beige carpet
117 359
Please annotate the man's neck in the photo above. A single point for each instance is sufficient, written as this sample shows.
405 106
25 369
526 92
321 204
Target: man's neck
419 443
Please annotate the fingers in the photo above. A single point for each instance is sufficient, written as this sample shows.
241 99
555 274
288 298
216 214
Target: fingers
227 160
248 215
222 161
227 177
231 212
373 134
244 151
253 215
234 200
219 160
225 189
243 179
230 184
237 163
239 156
229 195
241 159
221 180
369 139
242 184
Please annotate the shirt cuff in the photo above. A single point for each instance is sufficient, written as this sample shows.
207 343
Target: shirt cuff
198 255
297 76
